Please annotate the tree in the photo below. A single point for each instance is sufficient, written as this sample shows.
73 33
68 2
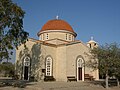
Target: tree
12 33
108 60
115 68
7 69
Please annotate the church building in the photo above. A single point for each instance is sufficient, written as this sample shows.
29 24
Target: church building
56 55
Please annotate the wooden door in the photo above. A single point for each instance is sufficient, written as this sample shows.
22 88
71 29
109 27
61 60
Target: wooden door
79 73
26 73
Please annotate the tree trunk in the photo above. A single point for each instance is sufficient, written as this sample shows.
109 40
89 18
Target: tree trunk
118 83
106 81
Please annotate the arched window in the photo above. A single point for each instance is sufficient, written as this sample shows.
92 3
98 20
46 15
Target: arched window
47 36
66 36
90 45
69 37
48 66
80 68
80 62
43 36
26 61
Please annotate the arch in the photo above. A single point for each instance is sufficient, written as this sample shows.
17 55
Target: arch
26 68
27 61
48 66
80 68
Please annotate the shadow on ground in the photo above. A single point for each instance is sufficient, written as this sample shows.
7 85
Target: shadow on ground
56 85
14 83
111 83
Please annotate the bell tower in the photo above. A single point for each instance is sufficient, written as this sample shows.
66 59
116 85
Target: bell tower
92 44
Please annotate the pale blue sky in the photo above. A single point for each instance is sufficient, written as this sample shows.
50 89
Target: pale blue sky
97 18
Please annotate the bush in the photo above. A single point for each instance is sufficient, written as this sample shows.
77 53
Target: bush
32 78
7 69
2 84
49 78
15 77
19 84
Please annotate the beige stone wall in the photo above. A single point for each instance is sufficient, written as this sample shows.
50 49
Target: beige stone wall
73 51
64 59
56 41
28 44
61 64
50 51
20 54
59 35
38 53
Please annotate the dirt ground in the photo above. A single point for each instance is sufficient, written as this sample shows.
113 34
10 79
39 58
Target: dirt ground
96 85
59 86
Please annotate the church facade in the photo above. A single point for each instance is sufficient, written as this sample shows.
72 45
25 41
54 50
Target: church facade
56 55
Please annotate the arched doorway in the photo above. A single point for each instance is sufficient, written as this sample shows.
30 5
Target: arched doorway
26 68
80 69
48 65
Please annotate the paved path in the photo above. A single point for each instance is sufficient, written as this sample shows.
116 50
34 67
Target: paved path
60 86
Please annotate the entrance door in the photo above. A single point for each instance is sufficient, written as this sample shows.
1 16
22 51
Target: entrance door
26 69
80 69
80 73
26 73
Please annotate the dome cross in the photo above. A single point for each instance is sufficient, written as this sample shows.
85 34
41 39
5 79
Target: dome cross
92 38
57 17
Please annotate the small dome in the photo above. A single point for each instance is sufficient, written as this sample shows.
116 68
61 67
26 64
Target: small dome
57 24
92 41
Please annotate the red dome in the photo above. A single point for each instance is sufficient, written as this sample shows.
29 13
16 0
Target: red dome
57 24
